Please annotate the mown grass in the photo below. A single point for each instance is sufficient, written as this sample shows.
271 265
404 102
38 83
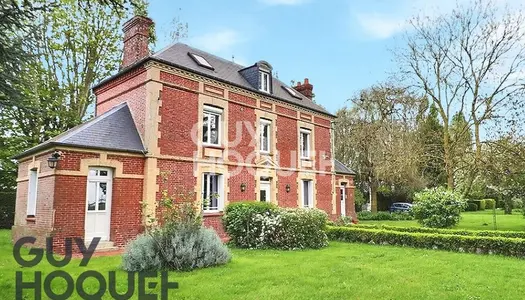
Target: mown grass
340 271
477 220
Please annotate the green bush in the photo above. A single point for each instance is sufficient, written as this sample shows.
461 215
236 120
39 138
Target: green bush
493 233
482 204
472 244
384 216
241 225
438 207
182 249
261 225
471 206
359 200
490 203
517 203
175 238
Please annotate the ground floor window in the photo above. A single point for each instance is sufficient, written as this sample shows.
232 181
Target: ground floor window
307 194
211 192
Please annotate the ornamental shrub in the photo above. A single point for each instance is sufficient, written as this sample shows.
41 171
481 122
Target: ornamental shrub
490 203
438 207
175 239
247 222
471 206
260 225
182 249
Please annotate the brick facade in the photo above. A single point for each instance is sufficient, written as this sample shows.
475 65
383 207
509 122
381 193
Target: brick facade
167 106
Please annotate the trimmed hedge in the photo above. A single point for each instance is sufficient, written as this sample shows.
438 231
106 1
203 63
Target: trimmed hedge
490 203
490 233
471 206
384 216
261 225
482 204
472 244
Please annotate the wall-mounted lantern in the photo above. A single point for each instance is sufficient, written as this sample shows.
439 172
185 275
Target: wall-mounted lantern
287 188
53 160
243 187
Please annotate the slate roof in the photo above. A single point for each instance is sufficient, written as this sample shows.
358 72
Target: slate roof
227 71
340 168
113 130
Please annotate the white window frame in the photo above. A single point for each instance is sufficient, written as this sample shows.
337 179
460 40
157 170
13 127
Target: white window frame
264 75
263 123
343 199
308 191
220 191
217 112
32 192
308 151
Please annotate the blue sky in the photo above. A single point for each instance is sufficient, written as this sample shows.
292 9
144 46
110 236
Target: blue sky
341 46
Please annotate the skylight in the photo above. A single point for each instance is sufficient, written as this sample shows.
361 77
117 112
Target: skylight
291 92
201 61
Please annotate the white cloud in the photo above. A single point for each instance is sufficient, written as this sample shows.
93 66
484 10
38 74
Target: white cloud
380 26
383 25
218 41
283 2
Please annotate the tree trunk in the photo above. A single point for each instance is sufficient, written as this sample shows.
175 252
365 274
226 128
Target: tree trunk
449 165
373 196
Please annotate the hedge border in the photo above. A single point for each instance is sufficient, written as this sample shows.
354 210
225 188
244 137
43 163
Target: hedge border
487 233
471 244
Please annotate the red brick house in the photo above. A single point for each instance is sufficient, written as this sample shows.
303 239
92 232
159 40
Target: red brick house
180 119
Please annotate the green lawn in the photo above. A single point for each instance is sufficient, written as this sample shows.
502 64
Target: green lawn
341 271
477 220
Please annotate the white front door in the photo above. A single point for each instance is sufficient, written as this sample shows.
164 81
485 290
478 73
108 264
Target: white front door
264 192
98 204
343 201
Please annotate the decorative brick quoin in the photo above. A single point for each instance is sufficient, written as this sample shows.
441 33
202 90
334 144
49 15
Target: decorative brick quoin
183 120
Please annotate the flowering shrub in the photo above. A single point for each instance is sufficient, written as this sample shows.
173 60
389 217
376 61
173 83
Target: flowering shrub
262 225
438 207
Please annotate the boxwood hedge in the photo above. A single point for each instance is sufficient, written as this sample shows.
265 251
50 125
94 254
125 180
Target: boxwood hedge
459 243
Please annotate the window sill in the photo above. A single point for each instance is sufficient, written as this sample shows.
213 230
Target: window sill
213 146
212 214
31 219
306 158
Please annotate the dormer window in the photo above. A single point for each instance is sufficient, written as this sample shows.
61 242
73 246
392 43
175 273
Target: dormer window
264 81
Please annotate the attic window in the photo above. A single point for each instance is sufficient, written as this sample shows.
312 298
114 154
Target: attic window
264 81
291 92
201 61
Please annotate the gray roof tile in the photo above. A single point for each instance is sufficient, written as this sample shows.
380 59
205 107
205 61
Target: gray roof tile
113 130
340 168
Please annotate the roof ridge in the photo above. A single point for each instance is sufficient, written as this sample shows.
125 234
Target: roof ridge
197 50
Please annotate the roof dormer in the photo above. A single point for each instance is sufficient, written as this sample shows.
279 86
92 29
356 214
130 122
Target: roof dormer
259 76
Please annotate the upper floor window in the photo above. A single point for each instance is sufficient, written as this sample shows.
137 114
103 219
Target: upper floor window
211 192
305 143
264 81
32 192
211 126
265 135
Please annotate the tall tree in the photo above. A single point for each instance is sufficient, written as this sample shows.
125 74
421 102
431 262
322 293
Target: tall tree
77 44
432 166
377 137
469 60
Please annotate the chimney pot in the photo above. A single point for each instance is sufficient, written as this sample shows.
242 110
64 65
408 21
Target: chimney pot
136 39
306 88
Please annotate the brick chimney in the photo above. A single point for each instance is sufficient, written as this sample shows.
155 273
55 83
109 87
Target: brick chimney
306 88
136 40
